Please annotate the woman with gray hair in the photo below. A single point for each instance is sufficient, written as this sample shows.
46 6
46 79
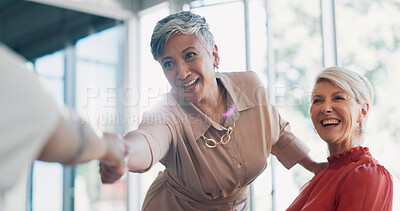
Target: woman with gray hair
354 180
213 132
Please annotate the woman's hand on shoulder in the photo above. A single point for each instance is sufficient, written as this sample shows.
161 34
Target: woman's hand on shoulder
313 166
318 167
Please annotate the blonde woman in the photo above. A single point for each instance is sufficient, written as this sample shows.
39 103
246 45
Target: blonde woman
354 180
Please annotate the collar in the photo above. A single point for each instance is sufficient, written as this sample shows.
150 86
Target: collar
237 101
351 155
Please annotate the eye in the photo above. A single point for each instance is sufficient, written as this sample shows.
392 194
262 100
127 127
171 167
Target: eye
316 100
339 98
167 64
189 55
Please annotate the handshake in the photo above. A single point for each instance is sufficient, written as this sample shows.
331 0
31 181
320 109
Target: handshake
114 163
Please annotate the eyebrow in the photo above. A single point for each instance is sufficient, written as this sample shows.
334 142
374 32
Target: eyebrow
167 57
188 48
335 93
184 50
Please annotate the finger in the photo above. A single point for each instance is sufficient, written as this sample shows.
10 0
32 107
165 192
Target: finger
127 154
106 174
110 174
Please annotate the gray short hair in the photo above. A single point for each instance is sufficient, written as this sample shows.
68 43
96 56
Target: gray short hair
350 82
184 22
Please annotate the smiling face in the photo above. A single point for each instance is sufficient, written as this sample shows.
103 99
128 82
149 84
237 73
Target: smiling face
336 115
188 67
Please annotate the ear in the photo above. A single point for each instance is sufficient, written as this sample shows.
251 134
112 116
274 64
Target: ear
216 56
364 111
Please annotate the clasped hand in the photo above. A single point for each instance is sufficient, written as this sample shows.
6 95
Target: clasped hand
114 164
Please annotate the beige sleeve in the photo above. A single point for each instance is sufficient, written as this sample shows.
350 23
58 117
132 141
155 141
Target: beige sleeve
288 149
155 128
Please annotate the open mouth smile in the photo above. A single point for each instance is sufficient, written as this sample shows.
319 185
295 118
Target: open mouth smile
330 122
188 87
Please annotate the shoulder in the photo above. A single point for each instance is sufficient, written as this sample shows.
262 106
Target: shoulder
368 174
244 78
249 84
164 109
370 170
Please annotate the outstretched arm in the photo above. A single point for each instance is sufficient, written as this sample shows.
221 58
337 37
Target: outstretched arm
74 141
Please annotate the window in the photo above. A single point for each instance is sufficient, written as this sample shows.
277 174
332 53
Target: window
96 100
228 31
297 47
367 36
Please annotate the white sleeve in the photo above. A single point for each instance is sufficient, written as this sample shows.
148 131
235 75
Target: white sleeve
28 116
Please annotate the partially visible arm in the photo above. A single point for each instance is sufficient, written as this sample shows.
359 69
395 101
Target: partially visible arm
140 157
147 145
291 150
74 141
313 166
66 140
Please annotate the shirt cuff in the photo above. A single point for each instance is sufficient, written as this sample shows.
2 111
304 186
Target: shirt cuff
293 153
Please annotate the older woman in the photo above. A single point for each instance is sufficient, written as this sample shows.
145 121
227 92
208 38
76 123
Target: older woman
354 180
213 132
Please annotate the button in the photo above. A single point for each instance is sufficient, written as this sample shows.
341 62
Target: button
239 165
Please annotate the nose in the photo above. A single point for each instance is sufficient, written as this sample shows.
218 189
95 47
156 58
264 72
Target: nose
183 71
326 108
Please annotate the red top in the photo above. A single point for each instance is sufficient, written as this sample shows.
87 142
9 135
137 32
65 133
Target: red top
354 180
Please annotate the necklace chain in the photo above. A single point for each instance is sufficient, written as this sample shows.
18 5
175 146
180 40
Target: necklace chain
211 143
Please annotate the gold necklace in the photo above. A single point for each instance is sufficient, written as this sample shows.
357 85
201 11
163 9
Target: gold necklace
211 143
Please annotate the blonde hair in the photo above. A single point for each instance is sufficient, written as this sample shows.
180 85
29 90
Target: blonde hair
350 82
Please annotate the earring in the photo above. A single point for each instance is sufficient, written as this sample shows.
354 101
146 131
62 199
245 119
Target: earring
217 73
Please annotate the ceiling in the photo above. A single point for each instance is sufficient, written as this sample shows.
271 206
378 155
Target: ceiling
34 29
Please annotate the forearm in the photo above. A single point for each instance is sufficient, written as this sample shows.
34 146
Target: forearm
313 166
73 142
140 157
307 163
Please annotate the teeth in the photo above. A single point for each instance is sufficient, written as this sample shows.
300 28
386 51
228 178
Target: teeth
330 122
189 83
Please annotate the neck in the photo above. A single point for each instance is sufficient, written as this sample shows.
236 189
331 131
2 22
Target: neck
336 149
215 104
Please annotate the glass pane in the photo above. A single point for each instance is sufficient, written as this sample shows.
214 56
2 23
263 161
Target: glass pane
96 98
101 47
297 46
96 101
47 187
47 184
153 81
262 186
258 38
51 65
228 31
372 49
